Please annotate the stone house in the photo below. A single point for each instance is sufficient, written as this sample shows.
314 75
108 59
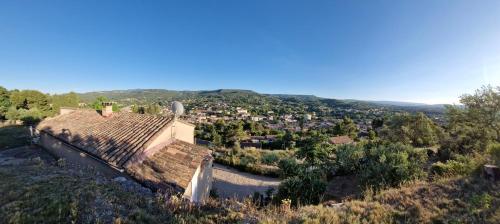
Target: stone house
157 151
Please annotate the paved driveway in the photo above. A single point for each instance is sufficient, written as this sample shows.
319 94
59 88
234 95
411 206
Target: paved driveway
230 182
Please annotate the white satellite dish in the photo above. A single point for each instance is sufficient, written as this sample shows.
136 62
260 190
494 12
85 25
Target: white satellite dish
177 108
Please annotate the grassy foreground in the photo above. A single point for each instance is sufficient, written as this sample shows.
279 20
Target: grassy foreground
13 136
35 190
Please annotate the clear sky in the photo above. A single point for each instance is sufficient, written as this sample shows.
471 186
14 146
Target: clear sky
419 51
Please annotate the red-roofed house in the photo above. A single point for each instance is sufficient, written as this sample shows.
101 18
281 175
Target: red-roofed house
340 140
155 150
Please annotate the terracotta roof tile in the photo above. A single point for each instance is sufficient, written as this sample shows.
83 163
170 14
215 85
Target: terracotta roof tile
176 164
341 140
114 139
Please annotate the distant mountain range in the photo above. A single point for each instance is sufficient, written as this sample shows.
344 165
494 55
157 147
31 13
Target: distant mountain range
154 95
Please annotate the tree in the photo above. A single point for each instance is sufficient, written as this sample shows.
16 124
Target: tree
12 114
391 165
235 133
315 150
31 116
377 123
64 100
289 139
4 102
153 108
29 99
417 130
348 159
216 138
372 135
346 127
97 104
475 125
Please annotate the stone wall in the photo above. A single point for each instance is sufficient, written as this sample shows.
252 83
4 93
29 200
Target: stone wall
75 157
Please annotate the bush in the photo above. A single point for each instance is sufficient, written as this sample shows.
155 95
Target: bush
451 167
391 165
248 160
288 167
460 165
270 158
348 159
494 152
305 188
31 116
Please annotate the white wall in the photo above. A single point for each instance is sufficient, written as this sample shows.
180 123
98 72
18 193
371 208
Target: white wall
184 132
199 187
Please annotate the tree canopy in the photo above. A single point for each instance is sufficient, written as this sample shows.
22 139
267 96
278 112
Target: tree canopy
412 129
475 125
29 99
4 101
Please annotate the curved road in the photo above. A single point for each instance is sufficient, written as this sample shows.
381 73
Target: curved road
231 183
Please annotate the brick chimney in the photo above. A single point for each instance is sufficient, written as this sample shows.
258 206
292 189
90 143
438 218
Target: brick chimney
107 109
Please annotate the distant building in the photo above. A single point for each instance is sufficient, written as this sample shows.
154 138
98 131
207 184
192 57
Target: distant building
156 150
241 111
246 145
341 140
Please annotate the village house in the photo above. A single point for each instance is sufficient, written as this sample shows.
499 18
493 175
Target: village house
157 151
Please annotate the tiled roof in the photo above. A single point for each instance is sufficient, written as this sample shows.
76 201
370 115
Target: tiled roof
341 140
114 139
175 164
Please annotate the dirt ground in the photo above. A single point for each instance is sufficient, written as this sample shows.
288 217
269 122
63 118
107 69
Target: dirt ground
342 188
231 183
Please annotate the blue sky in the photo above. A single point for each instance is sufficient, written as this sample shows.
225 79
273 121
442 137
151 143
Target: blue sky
419 51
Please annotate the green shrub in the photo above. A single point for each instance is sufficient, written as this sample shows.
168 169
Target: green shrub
348 159
305 188
459 165
288 167
480 202
270 158
494 152
451 167
31 116
391 165
248 160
